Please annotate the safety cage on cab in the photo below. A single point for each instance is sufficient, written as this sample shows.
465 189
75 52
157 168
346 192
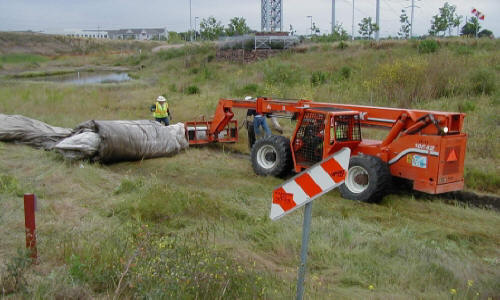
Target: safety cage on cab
310 138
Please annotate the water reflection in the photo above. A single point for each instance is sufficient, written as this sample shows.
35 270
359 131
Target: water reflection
83 78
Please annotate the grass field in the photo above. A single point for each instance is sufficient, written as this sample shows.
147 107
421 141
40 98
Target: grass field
196 225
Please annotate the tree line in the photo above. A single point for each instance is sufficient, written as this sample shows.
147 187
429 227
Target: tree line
442 24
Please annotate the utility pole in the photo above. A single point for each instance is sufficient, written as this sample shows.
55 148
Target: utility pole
377 20
352 36
412 14
190 24
333 16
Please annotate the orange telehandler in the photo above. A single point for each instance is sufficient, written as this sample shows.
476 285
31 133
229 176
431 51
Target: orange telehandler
425 147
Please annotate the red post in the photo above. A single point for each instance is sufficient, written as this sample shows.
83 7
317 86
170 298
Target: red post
29 221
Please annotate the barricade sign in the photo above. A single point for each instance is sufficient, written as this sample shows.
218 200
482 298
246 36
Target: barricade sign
310 184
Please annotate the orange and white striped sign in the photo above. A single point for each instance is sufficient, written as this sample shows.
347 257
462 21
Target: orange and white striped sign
310 184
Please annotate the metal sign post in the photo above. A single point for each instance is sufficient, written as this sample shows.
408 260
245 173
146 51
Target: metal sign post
306 228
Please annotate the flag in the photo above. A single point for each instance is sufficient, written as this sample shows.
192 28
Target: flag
478 14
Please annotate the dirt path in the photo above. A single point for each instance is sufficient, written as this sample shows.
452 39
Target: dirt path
166 47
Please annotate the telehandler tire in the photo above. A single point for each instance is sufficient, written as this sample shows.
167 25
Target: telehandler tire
367 180
272 156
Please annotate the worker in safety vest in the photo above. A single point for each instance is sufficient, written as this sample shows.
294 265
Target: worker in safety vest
259 120
160 111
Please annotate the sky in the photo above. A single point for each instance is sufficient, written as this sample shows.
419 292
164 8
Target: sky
55 16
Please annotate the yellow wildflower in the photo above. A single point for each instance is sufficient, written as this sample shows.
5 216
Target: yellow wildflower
453 291
470 283
371 287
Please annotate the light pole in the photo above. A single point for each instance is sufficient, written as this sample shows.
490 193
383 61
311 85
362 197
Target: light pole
195 22
311 24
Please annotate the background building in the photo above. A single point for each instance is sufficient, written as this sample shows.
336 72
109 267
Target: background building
121 34
98 34
139 34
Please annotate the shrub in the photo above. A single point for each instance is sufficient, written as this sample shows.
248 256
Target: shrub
428 46
483 81
342 45
345 72
281 74
319 77
251 89
192 90
210 58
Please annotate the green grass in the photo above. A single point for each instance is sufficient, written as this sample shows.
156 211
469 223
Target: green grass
16 58
196 225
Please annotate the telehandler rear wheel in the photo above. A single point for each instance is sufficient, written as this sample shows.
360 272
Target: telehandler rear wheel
367 180
272 156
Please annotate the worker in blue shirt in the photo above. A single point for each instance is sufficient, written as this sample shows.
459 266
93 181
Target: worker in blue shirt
259 120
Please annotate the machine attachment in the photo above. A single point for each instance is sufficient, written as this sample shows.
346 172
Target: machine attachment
198 132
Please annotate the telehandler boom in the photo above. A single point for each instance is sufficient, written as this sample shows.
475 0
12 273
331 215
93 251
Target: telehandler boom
425 147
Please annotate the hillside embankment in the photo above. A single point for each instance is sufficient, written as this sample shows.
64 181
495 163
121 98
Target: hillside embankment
196 225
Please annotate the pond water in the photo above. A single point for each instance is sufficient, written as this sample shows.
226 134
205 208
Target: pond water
83 78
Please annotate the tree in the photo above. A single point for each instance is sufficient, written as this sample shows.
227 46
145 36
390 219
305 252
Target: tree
404 31
237 26
314 30
486 33
211 29
367 28
438 24
339 33
446 20
471 27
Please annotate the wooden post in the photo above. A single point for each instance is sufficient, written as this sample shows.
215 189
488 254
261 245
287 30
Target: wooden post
29 221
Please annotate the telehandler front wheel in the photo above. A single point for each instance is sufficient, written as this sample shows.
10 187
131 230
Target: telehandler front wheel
272 155
367 180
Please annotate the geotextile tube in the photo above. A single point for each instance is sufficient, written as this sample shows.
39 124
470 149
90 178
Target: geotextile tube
104 141
135 140
24 130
